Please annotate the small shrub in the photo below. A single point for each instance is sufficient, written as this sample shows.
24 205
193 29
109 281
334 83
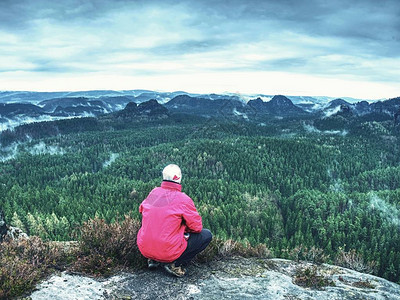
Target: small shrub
313 254
309 277
259 250
365 284
95 264
224 248
24 262
211 252
353 260
228 248
105 247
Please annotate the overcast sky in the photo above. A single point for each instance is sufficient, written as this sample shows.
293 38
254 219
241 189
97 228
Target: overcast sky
293 47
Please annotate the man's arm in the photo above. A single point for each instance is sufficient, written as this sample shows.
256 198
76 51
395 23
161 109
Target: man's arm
191 216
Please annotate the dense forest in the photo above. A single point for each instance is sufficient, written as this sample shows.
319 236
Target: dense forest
331 185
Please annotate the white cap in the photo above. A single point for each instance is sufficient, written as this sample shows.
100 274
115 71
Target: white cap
172 173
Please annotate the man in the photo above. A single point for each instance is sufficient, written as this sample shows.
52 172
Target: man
172 231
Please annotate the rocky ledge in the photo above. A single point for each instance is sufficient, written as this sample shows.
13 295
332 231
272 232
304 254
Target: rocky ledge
230 278
10 231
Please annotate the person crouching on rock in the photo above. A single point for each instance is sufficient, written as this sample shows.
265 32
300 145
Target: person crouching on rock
172 231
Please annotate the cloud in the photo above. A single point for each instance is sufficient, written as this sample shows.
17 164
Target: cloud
312 129
390 212
355 40
330 112
9 124
42 148
9 152
113 158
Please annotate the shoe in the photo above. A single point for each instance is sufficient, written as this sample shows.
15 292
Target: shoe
152 264
177 271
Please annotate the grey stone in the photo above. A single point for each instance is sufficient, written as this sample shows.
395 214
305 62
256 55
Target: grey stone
3 226
230 278
6 230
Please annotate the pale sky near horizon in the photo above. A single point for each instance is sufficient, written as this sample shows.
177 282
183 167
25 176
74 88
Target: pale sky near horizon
331 48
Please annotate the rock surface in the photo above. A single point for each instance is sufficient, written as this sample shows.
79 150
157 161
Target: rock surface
232 278
16 233
3 226
10 231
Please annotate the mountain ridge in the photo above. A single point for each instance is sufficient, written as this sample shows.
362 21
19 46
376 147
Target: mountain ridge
213 105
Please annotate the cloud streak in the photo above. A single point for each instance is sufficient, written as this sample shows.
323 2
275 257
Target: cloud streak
386 210
355 41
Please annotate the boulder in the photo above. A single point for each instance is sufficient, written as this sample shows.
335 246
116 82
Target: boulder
3 226
14 233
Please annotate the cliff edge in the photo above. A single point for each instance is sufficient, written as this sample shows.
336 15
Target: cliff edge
229 278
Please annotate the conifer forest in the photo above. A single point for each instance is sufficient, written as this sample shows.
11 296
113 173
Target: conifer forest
292 183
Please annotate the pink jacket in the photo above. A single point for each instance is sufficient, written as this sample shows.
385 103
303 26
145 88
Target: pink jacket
167 214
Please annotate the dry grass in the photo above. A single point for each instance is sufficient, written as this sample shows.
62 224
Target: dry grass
219 248
353 260
24 262
309 277
104 247
302 253
101 250
363 284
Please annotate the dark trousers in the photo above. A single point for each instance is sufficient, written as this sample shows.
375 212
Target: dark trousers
197 242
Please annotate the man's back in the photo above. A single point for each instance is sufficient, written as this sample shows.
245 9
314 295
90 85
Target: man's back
167 214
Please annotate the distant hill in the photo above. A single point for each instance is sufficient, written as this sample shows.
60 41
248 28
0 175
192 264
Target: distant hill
206 106
16 109
279 105
388 107
146 110
337 102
